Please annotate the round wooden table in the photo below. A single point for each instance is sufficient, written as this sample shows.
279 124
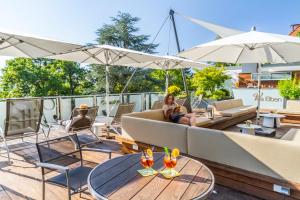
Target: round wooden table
118 179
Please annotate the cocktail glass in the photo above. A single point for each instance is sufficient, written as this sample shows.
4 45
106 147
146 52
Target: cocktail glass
170 162
147 162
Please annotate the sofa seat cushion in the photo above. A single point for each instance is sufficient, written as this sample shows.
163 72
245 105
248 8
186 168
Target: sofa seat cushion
289 111
233 112
292 135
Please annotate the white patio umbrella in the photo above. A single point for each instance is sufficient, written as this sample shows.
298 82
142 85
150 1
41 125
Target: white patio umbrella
169 63
250 47
20 45
106 55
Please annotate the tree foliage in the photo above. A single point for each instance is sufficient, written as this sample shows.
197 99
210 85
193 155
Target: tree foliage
123 32
289 89
42 77
210 82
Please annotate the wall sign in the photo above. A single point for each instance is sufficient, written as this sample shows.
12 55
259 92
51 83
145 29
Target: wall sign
269 98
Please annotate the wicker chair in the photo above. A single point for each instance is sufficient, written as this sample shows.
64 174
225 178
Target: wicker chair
61 155
122 109
23 118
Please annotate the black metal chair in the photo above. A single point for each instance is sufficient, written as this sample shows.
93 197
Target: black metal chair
23 118
62 155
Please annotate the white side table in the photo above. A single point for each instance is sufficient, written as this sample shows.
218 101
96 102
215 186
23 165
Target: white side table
271 120
98 128
248 129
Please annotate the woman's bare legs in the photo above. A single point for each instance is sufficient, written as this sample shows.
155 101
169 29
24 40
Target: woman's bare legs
188 119
184 120
192 118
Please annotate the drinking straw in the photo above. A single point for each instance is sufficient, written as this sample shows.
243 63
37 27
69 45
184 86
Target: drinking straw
167 151
145 157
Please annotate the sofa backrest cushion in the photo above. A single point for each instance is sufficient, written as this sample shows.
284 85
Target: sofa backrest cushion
149 114
228 104
293 105
267 156
153 132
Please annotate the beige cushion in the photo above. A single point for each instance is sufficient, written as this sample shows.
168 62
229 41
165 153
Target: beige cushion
271 157
200 121
292 135
293 105
238 111
222 105
150 114
236 103
288 111
155 132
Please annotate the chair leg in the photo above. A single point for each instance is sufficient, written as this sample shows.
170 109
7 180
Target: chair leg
68 186
7 150
95 135
43 188
37 138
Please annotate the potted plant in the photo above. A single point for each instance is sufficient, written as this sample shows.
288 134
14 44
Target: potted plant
289 89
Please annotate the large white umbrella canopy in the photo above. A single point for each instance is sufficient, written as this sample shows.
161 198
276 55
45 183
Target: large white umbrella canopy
21 45
249 47
106 55
170 62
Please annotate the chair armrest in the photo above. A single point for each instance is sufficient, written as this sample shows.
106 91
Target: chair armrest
53 166
98 150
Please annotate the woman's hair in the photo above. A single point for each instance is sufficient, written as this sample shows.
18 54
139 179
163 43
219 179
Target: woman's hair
167 97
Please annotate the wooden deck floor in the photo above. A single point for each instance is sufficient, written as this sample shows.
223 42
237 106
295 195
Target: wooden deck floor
22 179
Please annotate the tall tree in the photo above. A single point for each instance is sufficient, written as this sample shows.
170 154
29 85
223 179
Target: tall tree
123 32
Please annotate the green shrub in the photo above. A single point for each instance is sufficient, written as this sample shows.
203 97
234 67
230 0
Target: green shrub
220 94
210 82
174 90
289 89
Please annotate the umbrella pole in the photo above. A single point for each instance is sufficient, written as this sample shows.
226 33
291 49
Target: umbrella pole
259 92
167 81
107 97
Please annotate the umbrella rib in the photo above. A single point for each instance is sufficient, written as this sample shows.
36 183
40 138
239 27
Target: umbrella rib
41 48
93 56
214 50
118 56
239 55
278 53
13 45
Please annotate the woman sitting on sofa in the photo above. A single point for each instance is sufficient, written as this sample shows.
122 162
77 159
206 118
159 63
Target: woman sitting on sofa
172 112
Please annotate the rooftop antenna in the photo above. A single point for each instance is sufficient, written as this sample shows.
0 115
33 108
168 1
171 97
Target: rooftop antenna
188 103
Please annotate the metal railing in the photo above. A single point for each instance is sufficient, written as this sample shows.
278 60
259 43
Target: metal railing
62 106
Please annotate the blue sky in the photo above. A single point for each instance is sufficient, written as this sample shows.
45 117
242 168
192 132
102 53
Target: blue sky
77 20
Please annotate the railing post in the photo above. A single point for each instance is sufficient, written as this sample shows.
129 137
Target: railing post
150 103
143 102
128 98
94 100
58 107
